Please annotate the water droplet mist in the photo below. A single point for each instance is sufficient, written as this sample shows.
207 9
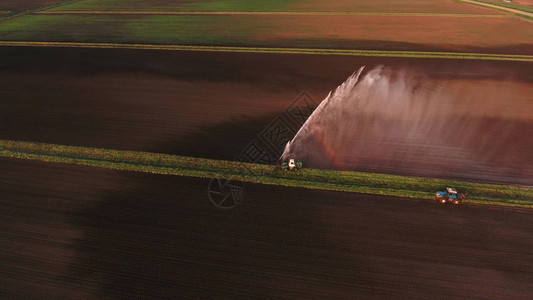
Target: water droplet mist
392 121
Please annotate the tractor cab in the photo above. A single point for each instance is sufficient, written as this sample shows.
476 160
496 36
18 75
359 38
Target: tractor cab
451 191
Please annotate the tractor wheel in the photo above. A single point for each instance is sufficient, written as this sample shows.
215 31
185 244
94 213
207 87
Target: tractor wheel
456 201
442 200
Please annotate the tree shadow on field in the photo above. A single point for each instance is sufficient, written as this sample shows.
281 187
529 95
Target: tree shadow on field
220 141
160 237
157 236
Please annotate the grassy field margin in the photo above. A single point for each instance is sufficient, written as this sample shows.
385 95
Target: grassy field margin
347 181
259 13
505 5
517 11
309 51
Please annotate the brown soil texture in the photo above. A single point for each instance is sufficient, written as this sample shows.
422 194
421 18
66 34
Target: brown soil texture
81 232
375 32
214 105
392 6
15 5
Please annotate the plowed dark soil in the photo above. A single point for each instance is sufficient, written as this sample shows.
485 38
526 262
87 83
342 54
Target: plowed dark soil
80 232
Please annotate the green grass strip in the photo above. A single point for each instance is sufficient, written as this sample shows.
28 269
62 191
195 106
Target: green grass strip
503 4
347 181
512 9
310 51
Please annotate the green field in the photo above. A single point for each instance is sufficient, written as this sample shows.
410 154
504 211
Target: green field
181 5
190 30
139 5
390 6
370 183
363 25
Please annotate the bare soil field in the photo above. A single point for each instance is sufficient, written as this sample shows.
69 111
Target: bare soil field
400 33
214 105
80 232
393 6
15 5
149 100
413 33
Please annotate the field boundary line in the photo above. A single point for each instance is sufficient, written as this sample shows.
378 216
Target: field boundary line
255 13
347 181
517 12
310 51
19 13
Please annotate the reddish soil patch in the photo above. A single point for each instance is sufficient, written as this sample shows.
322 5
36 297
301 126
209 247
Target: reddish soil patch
15 5
80 232
397 33
392 6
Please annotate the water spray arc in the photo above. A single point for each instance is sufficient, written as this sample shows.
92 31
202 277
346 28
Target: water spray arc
397 121
312 130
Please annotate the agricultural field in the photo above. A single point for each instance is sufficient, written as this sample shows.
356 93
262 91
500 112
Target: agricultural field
388 6
341 24
369 183
82 232
154 89
499 34
117 117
